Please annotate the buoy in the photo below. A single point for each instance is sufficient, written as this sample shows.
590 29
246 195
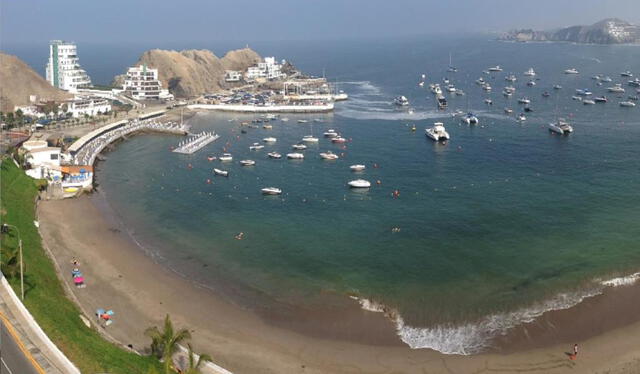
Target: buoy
378 182
208 181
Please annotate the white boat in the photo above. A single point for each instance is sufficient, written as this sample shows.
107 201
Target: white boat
299 147
530 73
329 155
627 104
357 167
256 146
531 83
600 99
576 97
480 81
331 133
247 162
302 121
488 101
486 87
521 118
508 110
401 101
459 92
495 68
271 191
359 183
274 155
285 119
309 139
267 127
470 119
606 79
226 157
510 78
572 71
583 92
634 82
451 88
588 102
437 132
269 139
557 87
561 127
224 173
295 156
421 84
616 89
338 139
626 74
524 100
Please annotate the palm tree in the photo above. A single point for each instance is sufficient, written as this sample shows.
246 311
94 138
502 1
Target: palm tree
194 365
11 262
164 344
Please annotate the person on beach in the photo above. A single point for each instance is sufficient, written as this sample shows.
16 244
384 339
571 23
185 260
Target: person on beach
575 350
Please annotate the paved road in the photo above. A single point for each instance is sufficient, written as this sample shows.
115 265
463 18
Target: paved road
12 358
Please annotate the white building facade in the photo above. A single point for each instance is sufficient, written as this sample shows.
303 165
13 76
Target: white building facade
268 69
89 105
142 83
63 69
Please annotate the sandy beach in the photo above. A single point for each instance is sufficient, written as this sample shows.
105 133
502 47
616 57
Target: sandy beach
121 276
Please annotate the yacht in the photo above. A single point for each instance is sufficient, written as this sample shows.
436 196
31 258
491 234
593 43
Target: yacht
470 119
338 139
480 81
634 82
295 156
442 102
600 99
510 89
626 74
531 83
521 118
329 155
247 162
495 68
401 101
269 139
507 93
572 71
560 127
617 88
486 87
459 92
606 79
274 155
488 101
435 88
524 100
359 183
588 102
451 88
437 132
224 173
530 73
508 110
627 103
299 147
584 92
309 139
256 146
225 157
267 127
331 133
357 167
271 191
557 87
510 78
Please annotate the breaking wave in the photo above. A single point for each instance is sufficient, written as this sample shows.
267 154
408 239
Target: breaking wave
475 337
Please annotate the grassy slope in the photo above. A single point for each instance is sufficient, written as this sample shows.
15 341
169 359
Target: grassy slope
44 295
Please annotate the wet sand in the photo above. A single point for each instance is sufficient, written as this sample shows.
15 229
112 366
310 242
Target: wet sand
120 276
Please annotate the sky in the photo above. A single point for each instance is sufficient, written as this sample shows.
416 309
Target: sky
35 21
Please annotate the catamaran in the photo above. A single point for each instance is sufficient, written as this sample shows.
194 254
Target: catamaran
561 127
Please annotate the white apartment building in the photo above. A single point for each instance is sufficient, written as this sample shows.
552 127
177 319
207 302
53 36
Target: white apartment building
232 76
268 69
63 69
90 105
142 83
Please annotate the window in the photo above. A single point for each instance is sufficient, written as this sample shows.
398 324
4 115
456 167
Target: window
54 156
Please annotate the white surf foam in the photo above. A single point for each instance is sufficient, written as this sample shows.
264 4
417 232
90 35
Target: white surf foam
622 281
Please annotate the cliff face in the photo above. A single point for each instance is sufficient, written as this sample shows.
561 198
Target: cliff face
191 73
608 31
18 81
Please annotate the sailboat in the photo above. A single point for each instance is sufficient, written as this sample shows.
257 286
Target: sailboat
452 68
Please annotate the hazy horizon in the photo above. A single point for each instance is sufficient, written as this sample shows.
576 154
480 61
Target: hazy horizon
246 21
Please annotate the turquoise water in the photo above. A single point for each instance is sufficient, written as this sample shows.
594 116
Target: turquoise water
503 222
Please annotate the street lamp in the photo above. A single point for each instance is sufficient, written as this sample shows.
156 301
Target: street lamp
21 264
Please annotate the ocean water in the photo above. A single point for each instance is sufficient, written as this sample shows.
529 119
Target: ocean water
502 223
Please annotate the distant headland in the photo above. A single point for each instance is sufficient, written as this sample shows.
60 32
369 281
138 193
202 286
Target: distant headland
607 31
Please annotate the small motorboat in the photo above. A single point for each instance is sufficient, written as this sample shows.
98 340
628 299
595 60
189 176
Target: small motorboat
256 146
510 78
401 101
600 99
357 167
521 117
496 68
274 155
606 79
225 157
530 73
616 89
628 104
546 94
557 87
247 162
267 127
270 139
223 173
634 98
302 121
309 139
331 133
487 87
508 110
299 147
576 97
211 158
271 191
295 156
470 119
488 101
572 71
524 100
561 127
437 132
339 139
528 109
359 183
626 74
442 102
588 102
531 83
329 155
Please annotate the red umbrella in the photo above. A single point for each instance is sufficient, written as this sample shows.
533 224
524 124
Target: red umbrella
78 280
